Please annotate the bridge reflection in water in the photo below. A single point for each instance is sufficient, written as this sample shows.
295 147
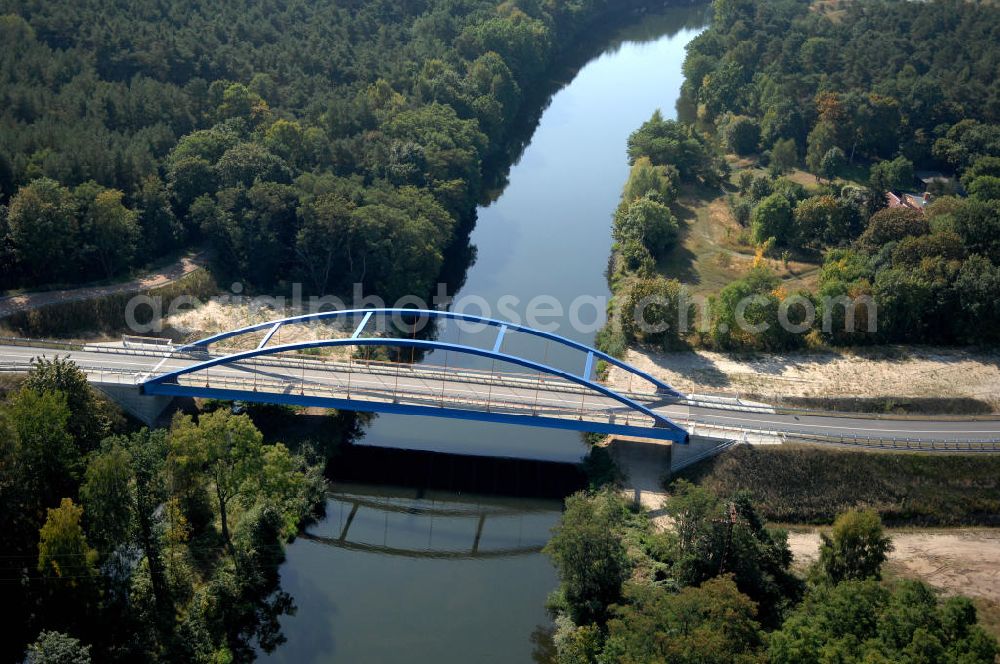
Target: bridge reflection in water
412 524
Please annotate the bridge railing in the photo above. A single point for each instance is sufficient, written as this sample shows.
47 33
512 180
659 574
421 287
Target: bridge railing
595 411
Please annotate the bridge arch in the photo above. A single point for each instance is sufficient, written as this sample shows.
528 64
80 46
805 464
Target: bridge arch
168 383
502 326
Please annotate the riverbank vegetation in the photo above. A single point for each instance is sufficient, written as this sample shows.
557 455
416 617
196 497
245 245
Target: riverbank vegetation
133 544
820 121
106 314
803 484
716 586
325 143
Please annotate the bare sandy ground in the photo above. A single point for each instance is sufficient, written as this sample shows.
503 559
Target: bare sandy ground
891 371
215 316
965 562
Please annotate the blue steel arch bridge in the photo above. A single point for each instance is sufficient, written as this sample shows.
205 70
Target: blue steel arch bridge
515 390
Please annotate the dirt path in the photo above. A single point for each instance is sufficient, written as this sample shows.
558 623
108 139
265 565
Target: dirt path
965 562
167 275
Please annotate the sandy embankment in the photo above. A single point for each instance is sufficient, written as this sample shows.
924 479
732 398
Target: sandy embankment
965 562
883 372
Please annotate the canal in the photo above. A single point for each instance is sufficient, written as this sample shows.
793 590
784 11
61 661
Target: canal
392 574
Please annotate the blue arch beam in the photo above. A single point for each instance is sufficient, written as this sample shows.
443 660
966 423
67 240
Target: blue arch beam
503 327
168 383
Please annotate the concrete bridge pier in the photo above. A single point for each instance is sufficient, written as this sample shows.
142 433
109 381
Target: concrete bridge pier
646 465
649 463
145 408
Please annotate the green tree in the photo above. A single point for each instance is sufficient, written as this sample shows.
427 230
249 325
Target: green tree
228 448
772 218
206 144
671 142
832 163
57 648
63 552
967 141
522 41
978 224
161 232
856 548
238 101
864 621
714 537
147 452
46 454
290 485
645 178
891 175
982 166
822 139
106 494
587 550
783 119
577 645
906 303
892 225
245 163
43 229
978 288
649 221
723 89
187 180
91 417
285 139
741 134
322 244
713 623
985 188
497 94
825 220
653 312
784 156
451 145
109 229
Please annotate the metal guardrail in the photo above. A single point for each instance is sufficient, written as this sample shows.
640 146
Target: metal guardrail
146 341
899 444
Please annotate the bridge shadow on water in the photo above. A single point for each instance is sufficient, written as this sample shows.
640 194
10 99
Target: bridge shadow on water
439 471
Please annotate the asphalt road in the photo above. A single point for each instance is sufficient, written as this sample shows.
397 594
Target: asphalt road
520 394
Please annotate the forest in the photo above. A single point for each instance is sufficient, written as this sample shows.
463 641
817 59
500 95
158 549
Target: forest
125 544
718 587
327 143
863 96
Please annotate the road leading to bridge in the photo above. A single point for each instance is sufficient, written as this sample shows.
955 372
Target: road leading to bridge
305 379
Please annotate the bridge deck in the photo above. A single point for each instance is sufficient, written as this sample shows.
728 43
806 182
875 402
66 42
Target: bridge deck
308 380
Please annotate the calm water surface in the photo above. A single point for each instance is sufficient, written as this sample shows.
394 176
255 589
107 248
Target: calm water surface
549 233
393 575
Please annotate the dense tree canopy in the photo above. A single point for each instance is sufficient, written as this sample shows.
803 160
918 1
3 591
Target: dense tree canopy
860 91
588 552
208 124
146 545
714 585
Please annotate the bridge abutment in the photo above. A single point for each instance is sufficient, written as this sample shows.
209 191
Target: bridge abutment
143 407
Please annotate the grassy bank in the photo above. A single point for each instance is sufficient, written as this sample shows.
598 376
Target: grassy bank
794 484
